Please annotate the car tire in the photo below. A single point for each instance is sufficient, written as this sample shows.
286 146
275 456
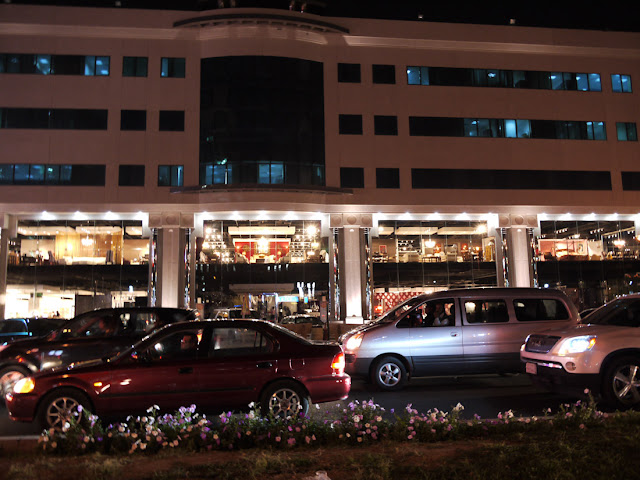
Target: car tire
284 399
389 373
9 376
621 383
58 406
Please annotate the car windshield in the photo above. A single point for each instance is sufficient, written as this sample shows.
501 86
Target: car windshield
399 310
620 313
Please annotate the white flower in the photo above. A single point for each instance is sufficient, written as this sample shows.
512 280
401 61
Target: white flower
458 408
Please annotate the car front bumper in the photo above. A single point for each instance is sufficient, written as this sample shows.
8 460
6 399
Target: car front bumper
21 407
554 377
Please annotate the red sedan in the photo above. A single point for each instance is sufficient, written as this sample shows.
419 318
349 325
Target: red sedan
216 365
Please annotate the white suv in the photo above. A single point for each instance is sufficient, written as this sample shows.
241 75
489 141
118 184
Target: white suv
602 355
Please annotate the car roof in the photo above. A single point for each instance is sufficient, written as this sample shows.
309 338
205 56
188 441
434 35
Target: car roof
478 292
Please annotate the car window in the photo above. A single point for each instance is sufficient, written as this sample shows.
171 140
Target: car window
233 341
621 313
180 345
94 324
486 311
137 322
535 309
432 313
13 326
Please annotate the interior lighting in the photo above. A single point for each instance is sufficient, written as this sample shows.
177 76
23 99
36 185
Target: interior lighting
619 243
87 241
312 230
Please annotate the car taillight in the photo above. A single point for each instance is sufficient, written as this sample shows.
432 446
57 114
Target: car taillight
337 364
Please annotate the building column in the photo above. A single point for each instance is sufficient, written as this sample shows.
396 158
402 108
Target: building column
8 230
353 283
171 280
517 255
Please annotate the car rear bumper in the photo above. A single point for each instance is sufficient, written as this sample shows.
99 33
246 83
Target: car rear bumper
328 388
21 408
557 379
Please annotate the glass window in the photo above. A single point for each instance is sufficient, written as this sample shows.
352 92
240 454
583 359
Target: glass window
277 173
182 345
470 127
486 311
595 85
6 174
133 120
626 132
43 64
351 177
582 82
264 173
387 178
172 67
524 128
621 83
537 309
36 174
171 121
134 66
349 72
384 74
350 124
131 175
557 81
510 128
170 175
52 174
232 342
413 75
21 173
385 125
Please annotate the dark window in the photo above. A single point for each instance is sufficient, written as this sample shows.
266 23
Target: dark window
349 72
436 126
60 118
387 178
172 67
630 180
385 125
384 74
89 65
351 177
133 120
36 174
131 176
350 124
134 66
539 309
171 121
83 175
261 120
510 179
170 175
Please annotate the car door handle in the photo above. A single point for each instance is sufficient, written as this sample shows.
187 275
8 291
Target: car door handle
185 370
264 365
454 334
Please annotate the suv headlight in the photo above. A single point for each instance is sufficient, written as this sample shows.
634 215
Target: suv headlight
353 342
580 344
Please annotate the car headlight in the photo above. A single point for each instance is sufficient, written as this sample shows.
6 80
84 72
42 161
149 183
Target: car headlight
354 341
24 385
577 344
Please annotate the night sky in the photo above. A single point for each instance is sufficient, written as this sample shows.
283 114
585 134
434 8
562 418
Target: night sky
618 16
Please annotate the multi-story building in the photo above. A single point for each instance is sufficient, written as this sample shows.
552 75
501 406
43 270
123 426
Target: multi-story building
285 158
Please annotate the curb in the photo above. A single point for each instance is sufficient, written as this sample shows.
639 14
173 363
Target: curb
26 443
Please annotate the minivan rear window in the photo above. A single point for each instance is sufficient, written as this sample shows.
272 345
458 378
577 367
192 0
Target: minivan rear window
540 309
486 311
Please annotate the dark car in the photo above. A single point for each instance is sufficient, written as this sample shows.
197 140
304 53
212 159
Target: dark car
214 364
89 335
19 328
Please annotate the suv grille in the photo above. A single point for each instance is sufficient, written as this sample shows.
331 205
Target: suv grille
540 343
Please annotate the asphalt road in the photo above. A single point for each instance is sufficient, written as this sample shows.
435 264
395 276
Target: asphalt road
485 395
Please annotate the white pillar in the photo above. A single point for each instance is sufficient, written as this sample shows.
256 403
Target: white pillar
8 229
352 285
519 255
170 266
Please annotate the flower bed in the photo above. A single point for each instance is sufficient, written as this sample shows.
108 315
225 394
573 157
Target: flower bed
357 424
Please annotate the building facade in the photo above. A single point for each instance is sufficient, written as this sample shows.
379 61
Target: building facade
296 162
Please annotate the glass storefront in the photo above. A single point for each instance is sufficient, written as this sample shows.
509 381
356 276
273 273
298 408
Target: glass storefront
593 260
411 257
277 267
56 268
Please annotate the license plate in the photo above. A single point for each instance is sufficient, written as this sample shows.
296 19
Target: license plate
532 368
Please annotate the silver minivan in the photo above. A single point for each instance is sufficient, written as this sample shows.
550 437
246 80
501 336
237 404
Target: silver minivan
453 332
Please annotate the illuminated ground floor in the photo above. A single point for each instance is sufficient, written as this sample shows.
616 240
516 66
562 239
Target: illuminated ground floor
346 266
